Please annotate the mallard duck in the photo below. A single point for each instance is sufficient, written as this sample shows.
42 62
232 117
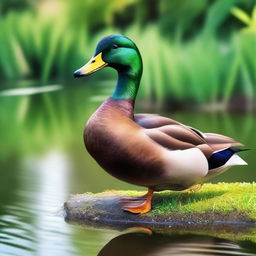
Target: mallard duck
147 149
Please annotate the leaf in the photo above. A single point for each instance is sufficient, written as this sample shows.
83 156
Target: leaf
241 15
216 14
228 88
254 17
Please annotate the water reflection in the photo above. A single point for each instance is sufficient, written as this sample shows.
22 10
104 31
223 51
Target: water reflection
30 91
52 174
146 244
30 224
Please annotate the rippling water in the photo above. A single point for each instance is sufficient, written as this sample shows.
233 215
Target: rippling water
43 160
33 223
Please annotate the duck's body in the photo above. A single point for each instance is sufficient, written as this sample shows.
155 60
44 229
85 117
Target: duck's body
150 150
146 149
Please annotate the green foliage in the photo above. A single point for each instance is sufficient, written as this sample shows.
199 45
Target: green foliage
250 22
93 14
42 48
201 70
216 14
34 44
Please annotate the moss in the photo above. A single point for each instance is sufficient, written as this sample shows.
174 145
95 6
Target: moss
222 198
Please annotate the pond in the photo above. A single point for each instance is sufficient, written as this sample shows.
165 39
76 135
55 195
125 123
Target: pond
43 160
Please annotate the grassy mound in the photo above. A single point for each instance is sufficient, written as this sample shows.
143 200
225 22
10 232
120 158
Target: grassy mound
221 198
213 203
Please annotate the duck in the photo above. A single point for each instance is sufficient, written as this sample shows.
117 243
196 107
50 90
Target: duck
148 150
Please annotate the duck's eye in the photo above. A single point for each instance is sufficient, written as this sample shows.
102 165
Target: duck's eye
114 46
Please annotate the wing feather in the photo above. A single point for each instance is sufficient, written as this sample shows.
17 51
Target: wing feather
174 135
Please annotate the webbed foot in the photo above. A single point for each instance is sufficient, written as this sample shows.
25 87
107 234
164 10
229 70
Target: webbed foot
140 204
195 188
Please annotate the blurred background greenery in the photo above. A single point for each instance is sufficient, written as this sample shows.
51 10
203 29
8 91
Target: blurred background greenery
194 51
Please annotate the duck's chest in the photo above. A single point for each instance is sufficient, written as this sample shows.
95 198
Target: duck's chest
119 146
107 131
99 138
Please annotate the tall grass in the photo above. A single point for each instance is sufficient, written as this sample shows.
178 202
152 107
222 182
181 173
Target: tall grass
35 46
202 69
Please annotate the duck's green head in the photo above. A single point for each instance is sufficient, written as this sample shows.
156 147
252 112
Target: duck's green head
120 53
116 51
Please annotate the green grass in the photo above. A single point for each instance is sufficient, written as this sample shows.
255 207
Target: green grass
221 198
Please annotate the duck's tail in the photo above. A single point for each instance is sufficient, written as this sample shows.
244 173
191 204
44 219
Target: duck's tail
226 158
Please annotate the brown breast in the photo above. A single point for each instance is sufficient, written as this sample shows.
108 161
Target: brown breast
119 145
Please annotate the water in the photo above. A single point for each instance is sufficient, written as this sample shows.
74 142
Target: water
43 160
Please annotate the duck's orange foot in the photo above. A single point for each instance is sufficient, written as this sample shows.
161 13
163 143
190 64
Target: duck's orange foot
195 188
140 204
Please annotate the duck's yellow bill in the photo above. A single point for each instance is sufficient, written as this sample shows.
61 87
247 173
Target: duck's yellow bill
94 64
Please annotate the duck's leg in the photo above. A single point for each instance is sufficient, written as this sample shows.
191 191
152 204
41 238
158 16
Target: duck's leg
140 204
195 188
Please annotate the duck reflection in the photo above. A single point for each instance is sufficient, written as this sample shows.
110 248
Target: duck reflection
143 242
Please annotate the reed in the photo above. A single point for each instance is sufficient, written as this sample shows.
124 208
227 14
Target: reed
202 69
